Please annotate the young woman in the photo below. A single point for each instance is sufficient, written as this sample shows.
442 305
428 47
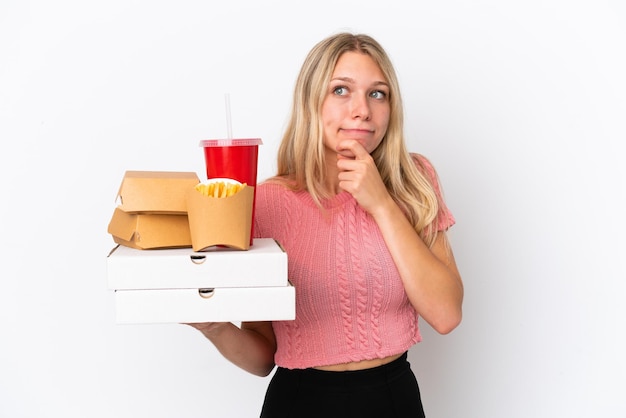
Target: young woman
363 223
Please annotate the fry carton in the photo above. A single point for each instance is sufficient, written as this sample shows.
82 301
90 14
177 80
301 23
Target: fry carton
217 216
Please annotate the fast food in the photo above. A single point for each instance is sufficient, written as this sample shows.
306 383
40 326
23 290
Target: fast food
219 189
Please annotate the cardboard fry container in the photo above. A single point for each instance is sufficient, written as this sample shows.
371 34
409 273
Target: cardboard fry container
225 221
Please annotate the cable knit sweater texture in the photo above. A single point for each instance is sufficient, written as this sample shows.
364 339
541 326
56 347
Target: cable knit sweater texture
350 302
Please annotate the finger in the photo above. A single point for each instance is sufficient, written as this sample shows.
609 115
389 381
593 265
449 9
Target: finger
344 154
352 148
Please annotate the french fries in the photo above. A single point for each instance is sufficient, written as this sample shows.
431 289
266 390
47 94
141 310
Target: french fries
219 188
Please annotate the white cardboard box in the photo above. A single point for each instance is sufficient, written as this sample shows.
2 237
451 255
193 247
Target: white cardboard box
264 264
183 286
216 305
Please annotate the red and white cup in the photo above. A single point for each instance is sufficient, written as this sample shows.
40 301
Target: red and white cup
235 159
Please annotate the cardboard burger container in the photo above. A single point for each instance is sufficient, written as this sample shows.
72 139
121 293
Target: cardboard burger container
152 211
224 221
160 192
184 286
149 231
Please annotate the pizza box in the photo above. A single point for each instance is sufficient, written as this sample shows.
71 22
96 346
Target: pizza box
277 303
263 265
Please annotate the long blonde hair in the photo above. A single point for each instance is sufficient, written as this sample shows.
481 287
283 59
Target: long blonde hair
301 152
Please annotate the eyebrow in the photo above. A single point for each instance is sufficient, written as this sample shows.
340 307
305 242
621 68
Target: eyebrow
351 80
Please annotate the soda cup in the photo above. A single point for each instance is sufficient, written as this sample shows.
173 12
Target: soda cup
235 159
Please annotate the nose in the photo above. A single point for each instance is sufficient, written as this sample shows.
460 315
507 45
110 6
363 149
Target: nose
360 107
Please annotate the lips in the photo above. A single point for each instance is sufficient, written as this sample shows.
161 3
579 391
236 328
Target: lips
357 132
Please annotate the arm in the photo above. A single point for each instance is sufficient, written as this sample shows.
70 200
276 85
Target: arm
430 276
250 347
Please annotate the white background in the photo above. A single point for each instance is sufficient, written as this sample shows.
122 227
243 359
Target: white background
521 106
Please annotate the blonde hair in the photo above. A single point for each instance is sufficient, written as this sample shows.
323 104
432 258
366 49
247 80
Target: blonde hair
301 153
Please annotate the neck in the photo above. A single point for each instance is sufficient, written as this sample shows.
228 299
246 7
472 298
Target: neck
332 174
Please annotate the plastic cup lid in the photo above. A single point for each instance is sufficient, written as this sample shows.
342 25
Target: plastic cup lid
230 142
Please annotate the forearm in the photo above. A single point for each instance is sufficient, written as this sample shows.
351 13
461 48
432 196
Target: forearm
430 276
250 347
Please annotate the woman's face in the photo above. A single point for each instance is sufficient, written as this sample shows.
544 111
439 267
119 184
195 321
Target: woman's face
356 104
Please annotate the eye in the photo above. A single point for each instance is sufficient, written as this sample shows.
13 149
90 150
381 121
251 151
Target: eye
378 94
340 91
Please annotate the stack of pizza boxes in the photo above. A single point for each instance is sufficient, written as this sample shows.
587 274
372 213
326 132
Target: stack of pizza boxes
184 255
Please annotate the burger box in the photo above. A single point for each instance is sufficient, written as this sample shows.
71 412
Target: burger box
149 231
179 285
152 210
161 192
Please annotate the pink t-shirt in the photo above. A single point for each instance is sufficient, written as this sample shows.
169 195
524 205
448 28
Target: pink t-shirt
350 301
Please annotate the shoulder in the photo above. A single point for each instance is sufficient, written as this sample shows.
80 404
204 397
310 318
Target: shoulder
279 181
274 192
421 161
424 166
274 186
445 219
